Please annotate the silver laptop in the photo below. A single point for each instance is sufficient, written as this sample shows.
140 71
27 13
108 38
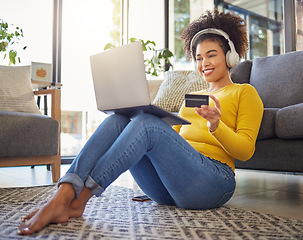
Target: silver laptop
121 86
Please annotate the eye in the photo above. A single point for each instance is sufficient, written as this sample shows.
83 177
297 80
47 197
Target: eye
199 59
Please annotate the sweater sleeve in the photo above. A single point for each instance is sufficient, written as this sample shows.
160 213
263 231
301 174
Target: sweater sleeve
240 143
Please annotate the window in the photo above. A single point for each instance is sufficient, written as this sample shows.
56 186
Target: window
37 27
87 26
265 25
264 20
146 20
181 20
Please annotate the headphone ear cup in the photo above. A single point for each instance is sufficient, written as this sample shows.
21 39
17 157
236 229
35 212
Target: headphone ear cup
232 58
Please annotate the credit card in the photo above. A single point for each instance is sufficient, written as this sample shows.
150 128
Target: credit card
195 100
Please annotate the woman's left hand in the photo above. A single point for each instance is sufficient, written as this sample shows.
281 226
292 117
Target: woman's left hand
211 114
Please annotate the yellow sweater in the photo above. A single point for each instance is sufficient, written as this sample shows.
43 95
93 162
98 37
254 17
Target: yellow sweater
235 137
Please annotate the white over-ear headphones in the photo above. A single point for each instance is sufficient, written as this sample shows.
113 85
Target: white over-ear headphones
232 57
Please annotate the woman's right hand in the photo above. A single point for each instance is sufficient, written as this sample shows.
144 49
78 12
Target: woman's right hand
211 114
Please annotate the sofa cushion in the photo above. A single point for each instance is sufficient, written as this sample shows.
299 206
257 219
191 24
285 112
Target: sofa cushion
278 74
267 128
289 122
25 134
241 72
153 86
176 83
16 93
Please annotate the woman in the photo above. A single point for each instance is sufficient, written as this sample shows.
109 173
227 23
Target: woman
187 166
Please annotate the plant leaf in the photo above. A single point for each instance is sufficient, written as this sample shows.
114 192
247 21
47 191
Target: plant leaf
12 56
133 39
109 46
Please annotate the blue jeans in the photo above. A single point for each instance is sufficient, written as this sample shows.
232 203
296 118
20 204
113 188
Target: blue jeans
164 165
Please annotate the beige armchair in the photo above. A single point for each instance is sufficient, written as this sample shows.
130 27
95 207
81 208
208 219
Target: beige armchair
28 138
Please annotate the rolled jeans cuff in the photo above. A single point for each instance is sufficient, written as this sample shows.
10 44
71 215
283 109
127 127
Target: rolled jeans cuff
73 179
94 187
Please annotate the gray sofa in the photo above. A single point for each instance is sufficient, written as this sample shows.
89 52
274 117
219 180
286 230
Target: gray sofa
279 82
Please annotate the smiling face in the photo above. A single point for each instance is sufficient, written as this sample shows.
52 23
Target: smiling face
211 62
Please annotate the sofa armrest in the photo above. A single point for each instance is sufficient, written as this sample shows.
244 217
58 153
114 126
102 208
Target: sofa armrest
56 107
267 128
289 124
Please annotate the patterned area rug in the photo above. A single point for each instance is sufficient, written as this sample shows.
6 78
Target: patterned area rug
116 216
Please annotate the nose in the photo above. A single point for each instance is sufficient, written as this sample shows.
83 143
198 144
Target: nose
205 62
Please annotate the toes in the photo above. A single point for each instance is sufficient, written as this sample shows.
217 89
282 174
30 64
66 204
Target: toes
24 230
29 216
29 228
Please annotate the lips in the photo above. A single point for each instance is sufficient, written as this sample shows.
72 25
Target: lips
207 72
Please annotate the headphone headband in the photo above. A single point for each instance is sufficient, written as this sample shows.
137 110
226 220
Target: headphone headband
232 57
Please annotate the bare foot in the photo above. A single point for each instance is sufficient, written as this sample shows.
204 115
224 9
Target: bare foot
58 210
78 205
50 213
75 210
55 211
29 216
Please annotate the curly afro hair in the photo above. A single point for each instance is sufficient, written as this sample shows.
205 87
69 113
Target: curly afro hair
230 23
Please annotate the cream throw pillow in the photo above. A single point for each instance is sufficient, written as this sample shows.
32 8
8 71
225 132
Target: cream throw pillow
16 93
174 87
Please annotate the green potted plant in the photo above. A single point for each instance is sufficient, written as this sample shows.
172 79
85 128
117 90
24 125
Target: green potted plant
9 37
159 61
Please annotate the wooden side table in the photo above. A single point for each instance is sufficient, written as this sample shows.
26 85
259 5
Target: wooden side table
43 84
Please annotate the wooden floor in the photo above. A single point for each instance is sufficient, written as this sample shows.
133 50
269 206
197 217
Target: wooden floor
279 194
